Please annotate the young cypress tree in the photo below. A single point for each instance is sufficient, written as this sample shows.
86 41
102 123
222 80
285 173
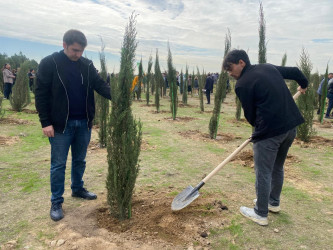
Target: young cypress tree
124 133
20 97
262 36
158 82
323 96
2 111
192 83
185 86
315 79
238 109
181 82
138 95
103 103
173 85
220 92
305 102
284 60
201 79
150 64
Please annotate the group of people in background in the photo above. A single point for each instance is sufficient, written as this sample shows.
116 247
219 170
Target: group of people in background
328 114
9 78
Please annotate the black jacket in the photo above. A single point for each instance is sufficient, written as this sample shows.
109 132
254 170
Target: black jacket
51 96
209 83
266 99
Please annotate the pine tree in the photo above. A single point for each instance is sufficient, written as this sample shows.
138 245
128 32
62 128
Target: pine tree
124 133
20 97
173 86
150 64
305 102
220 92
158 82
262 36
103 103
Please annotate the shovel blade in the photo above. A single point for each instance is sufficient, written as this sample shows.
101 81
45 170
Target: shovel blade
184 198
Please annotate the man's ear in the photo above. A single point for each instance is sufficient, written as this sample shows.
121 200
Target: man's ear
64 45
242 63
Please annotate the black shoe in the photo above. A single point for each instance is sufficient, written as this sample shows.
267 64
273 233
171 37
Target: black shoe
56 212
84 194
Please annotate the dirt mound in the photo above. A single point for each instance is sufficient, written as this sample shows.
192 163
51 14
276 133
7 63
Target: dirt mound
197 135
181 119
245 159
315 142
153 224
146 146
14 121
8 141
153 219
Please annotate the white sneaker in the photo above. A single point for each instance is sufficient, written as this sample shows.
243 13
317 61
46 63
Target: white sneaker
250 214
273 209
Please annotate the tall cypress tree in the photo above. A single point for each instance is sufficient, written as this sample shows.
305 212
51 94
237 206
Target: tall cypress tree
138 96
103 103
262 36
201 79
150 64
124 133
220 92
323 96
284 60
158 82
185 86
20 97
173 85
305 102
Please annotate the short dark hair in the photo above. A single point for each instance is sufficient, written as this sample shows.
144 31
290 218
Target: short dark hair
233 57
75 36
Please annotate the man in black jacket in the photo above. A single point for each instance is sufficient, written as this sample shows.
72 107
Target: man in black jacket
64 98
209 87
270 109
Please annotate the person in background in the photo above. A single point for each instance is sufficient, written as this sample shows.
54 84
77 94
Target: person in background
196 85
270 109
320 90
209 87
8 79
330 99
31 76
64 97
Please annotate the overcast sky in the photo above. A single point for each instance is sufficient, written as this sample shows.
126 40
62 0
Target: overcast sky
195 29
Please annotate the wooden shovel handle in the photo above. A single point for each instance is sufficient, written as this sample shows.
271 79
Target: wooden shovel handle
229 158
211 174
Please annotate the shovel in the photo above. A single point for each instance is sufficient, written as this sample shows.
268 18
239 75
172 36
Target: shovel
189 194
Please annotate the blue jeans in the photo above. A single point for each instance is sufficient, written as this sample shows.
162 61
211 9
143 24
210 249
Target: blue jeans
269 158
76 136
7 89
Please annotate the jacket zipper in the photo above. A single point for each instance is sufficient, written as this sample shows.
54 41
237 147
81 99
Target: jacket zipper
87 96
66 95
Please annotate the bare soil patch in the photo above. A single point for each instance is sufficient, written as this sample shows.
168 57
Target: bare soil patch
146 146
245 159
161 112
181 119
15 121
315 142
154 221
197 135
153 224
8 140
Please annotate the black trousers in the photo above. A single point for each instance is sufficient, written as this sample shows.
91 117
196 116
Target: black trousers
208 95
7 89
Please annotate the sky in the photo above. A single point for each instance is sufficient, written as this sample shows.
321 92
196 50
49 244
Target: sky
195 30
